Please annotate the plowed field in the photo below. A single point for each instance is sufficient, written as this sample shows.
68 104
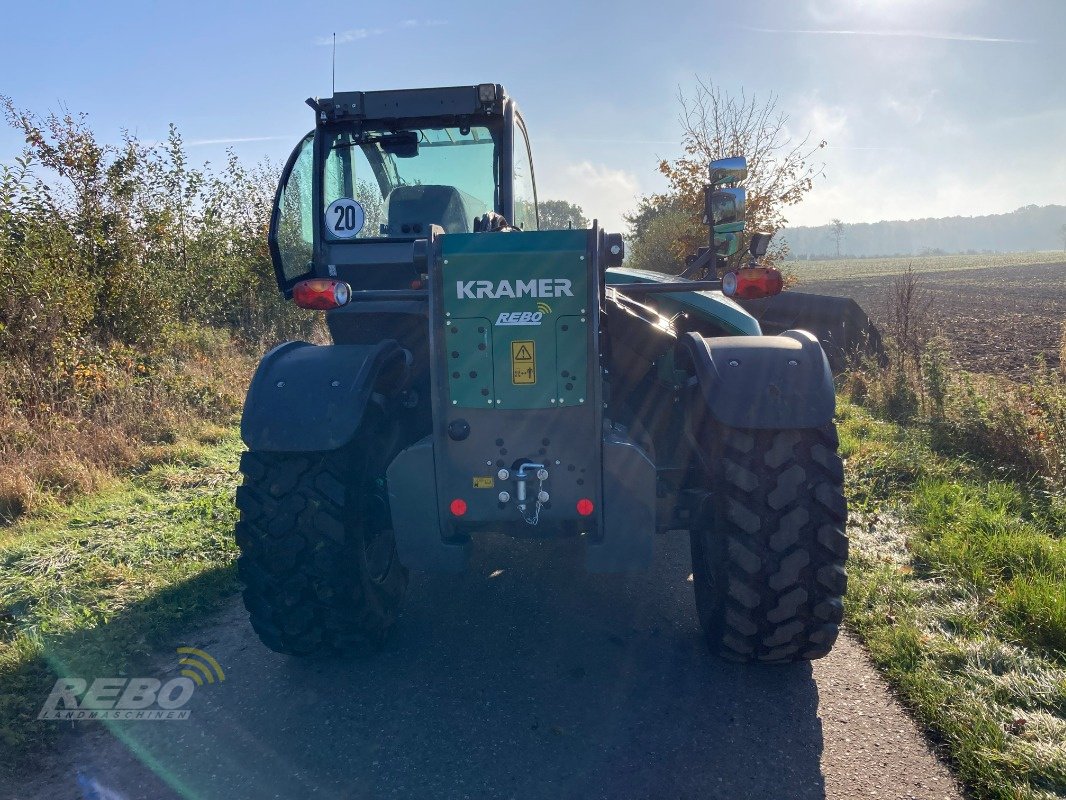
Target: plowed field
996 318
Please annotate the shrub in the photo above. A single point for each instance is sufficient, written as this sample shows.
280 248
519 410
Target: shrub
134 289
1017 430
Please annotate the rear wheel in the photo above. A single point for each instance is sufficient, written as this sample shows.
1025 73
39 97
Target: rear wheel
318 556
769 573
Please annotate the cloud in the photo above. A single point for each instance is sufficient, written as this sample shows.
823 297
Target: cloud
872 148
829 122
909 108
571 139
937 35
858 191
239 140
602 192
346 37
356 34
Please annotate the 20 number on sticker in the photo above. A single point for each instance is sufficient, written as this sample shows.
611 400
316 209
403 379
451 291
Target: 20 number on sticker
345 217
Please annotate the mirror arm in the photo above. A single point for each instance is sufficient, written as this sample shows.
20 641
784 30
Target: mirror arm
701 261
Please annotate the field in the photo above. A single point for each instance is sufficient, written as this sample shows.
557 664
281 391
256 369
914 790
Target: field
998 313
863 268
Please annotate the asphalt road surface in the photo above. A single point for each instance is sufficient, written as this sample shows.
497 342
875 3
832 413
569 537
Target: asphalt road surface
523 678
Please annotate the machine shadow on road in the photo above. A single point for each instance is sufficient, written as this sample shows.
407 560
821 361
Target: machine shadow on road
523 677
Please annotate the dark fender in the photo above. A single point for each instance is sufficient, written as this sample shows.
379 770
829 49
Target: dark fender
762 381
306 397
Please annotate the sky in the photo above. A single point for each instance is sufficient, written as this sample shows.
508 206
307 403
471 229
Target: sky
929 107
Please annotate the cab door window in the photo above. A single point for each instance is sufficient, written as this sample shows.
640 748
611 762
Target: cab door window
525 190
292 225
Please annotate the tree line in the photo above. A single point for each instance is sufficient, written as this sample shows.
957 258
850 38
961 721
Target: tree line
1028 228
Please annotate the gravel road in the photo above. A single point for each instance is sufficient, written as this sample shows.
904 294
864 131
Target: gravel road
523 678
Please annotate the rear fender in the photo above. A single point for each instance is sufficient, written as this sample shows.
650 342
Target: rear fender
769 382
310 398
839 323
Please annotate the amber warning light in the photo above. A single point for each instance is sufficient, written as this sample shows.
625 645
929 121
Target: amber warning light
321 294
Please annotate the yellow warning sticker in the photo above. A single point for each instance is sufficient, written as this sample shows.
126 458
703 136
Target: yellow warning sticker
484 482
523 362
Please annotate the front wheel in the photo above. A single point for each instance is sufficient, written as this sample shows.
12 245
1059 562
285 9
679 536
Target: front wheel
318 557
769 572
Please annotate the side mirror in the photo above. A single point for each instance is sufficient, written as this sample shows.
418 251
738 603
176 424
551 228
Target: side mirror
759 243
728 170
725 210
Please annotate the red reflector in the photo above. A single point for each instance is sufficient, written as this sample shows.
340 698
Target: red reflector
321 294
458 507
416 283
750 283
585 507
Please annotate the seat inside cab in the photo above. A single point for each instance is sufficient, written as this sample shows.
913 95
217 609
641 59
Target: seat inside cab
410 210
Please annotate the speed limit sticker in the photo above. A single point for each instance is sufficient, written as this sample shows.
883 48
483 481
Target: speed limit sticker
345 217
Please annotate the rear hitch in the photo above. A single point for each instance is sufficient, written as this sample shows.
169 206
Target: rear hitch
527 471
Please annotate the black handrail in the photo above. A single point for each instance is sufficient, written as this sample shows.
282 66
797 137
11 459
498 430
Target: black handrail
375 295
667 287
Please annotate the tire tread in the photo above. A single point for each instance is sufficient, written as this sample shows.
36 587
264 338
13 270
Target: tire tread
306 584
769 575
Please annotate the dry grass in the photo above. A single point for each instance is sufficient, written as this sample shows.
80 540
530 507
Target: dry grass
1015 428
1062 353
109 412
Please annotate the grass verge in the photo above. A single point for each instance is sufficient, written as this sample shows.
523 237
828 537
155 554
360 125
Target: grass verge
958 587
93 588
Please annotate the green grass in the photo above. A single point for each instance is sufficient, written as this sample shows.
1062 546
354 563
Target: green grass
850 269
94 588
958 587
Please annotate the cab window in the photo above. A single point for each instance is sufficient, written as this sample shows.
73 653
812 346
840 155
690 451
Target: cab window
347 176
292 234
397 182
525 192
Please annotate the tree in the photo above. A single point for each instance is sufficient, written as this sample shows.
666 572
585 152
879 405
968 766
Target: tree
654 247
655 227
559 214
836 231
714 125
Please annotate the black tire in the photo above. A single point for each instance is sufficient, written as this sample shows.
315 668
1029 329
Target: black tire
769 574
318 558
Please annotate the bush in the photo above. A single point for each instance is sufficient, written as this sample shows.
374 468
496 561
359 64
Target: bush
134 291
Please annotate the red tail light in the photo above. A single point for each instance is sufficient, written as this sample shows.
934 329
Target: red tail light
321 294
750 283
585 507
458 507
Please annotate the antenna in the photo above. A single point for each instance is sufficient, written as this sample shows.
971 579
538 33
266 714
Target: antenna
334 62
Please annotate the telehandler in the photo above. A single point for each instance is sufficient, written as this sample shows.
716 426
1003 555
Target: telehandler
486 376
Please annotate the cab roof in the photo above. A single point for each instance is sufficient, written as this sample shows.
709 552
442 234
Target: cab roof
445 101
